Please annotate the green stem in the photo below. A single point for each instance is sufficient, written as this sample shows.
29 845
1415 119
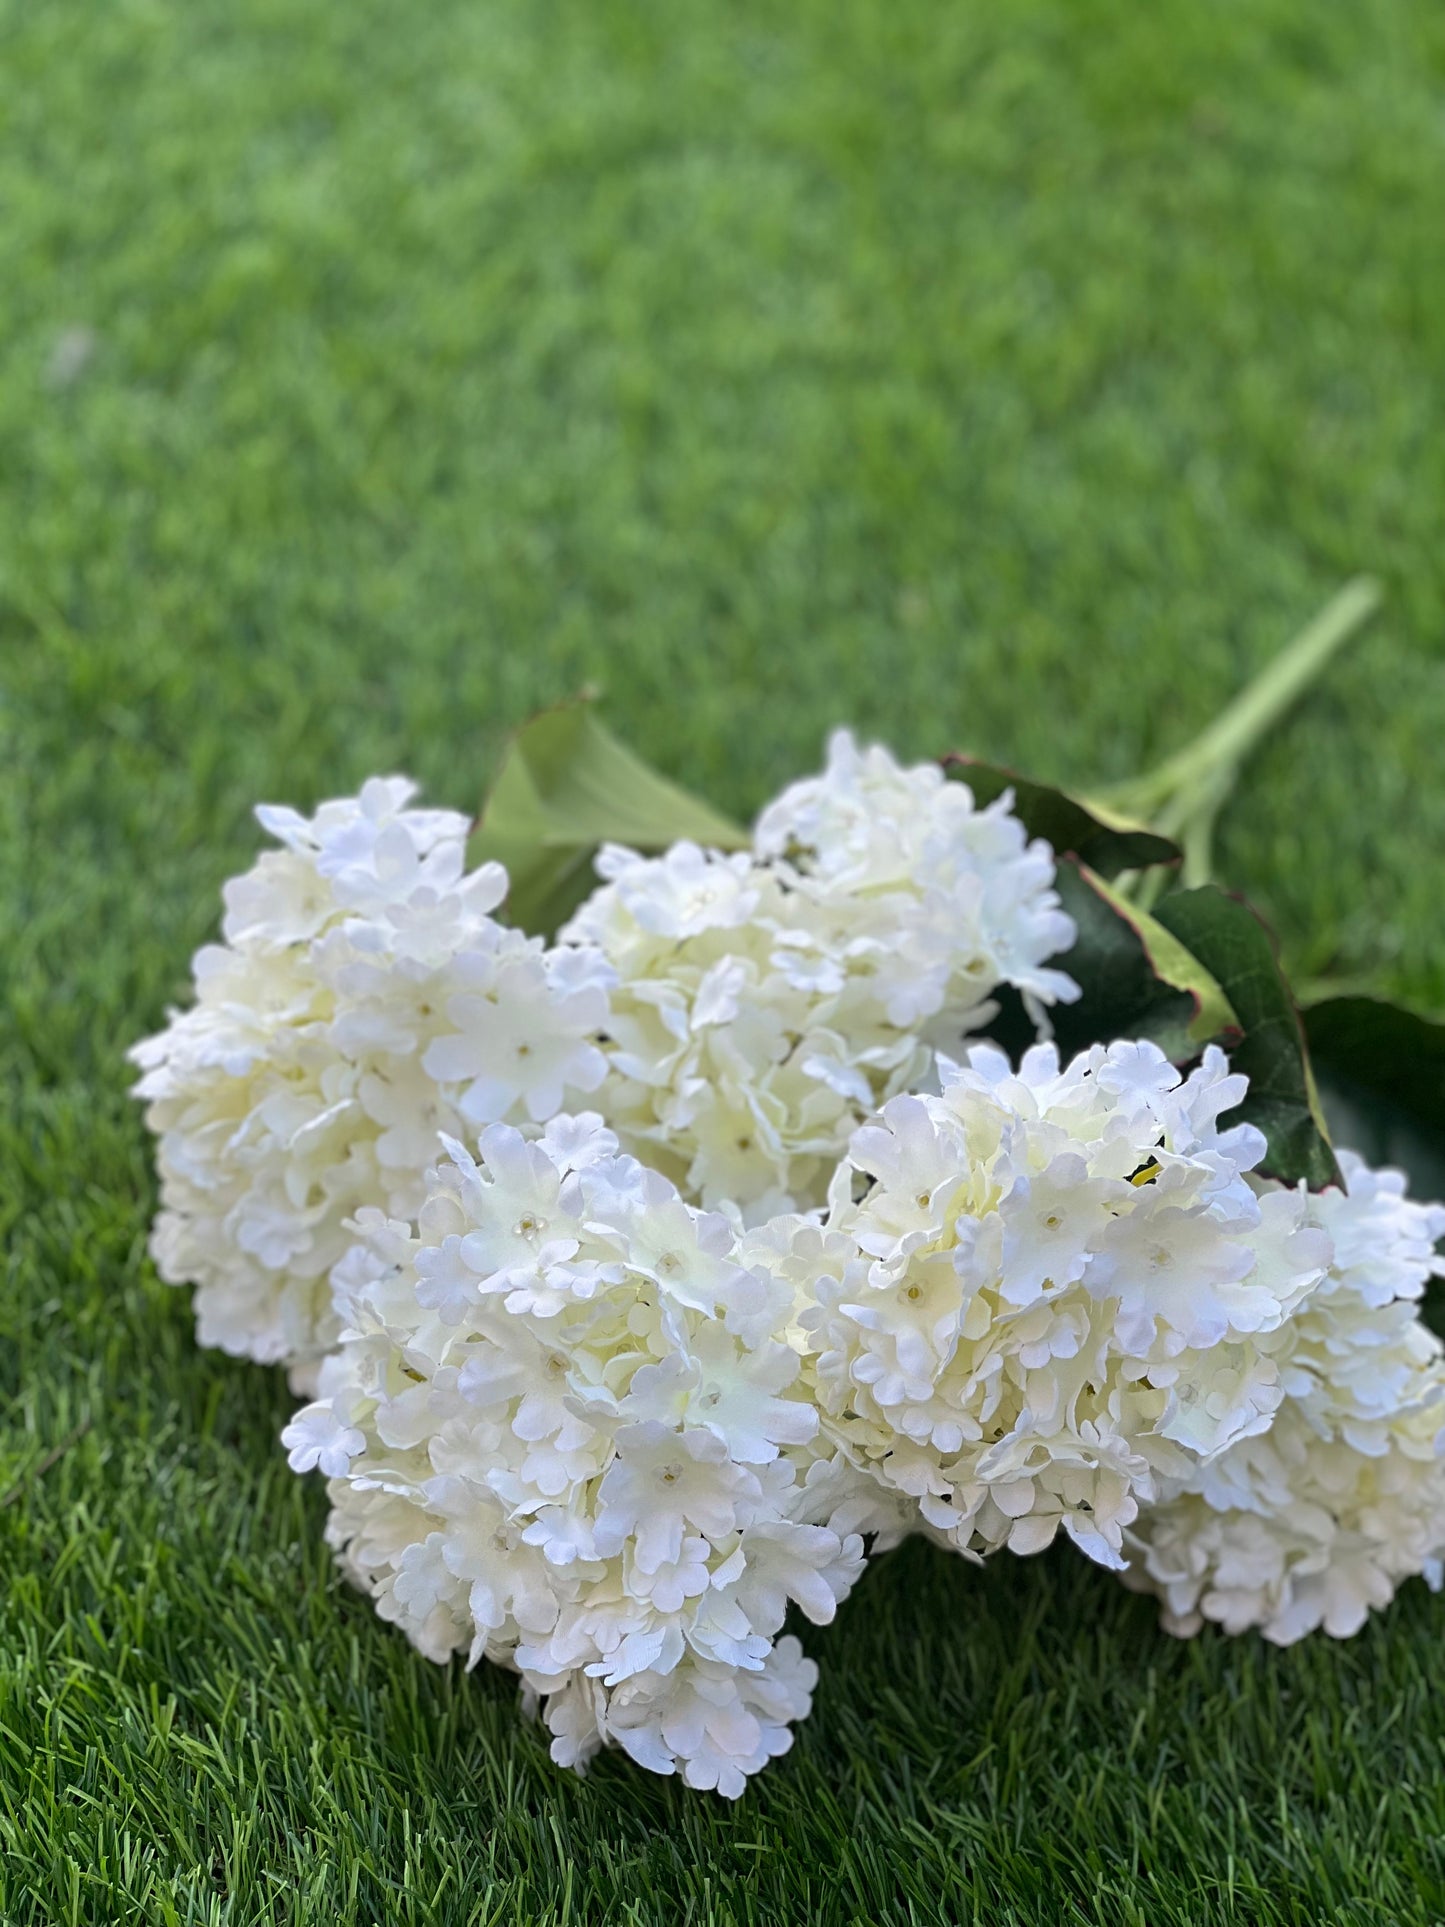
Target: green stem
1183 797
1193 777
1196 831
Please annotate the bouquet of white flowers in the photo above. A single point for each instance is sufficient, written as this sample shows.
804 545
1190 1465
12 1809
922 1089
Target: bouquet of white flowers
943 1157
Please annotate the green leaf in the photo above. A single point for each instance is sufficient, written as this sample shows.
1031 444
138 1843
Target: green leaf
1137 979
1098 835
1232 943
1162 966
566 786
1382 1077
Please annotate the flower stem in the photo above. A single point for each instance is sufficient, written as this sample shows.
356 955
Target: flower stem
1184 795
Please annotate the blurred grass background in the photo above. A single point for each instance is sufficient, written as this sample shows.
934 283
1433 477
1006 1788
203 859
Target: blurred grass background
1014 378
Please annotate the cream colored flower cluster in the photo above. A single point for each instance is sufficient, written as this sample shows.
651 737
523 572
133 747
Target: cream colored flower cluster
566 1432
1315 1522
769 1001
364 999
1056 1286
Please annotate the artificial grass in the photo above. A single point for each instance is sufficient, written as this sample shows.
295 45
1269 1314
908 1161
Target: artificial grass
1008 377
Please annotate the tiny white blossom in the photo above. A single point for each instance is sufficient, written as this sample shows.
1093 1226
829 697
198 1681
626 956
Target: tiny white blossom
317 1440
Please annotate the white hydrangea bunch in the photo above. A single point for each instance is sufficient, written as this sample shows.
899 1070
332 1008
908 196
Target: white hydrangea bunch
1056 1287
364 999
565 1431
1316 1521
602 1402
769 1000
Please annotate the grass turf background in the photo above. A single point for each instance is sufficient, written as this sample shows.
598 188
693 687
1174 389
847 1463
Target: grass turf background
1008 377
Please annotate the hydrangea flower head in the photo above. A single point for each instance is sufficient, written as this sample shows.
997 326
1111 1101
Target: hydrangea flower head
1038 1290
771 999
364 999
576 1442
1316 1522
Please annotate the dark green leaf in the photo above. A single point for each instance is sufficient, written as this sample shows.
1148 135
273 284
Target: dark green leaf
566 786
1137 979
1098 836
1382 1077
1230 941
